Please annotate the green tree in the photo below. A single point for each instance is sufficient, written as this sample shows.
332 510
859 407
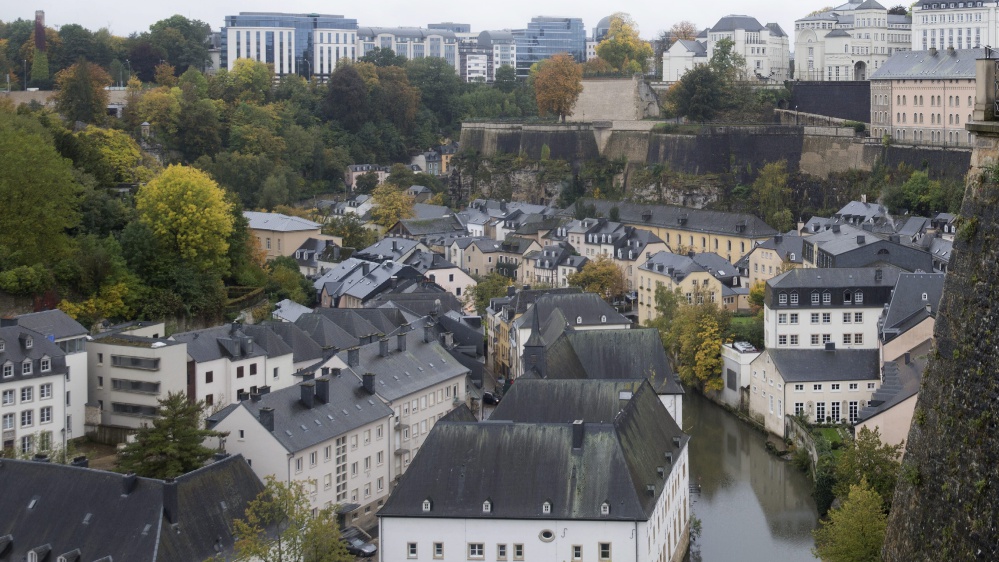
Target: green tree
173 445
183 41
506 79
350 227
279 526
622 48
854 531
39 194
697 95
189 216
366 182
557 85
347 98
383 57
898 10
439 87
391 205
772 195
40 72
488 287
729 64
868 459
601 276
112 157
251 80
81 95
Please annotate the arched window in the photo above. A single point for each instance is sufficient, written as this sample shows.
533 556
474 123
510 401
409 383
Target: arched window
487 506
426 506
579 320
605 508
546 507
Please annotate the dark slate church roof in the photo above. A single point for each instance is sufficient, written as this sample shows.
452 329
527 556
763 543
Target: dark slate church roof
95 514
520 464
634 354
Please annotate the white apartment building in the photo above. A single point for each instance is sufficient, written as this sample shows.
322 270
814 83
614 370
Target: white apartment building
823 385
71 337
766 49
503 49
814 308
410 42
940 24
848 42
556 486
307 44
330 433
36 391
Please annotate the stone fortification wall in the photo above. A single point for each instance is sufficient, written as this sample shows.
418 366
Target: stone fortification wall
946 506
615 99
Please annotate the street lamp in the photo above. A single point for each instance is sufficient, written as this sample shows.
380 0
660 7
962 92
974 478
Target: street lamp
25 75
308 72
129 63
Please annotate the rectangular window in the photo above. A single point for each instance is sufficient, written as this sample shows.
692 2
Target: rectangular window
799 408
815 339
794 298
782 318
847 316
853 386
858 317
817 387
518 552
209 377
820 412
239 372
8 421
605 551
577 553
782 298
870 386
826 338
853 412
380 485
815 318
834 411
411 550
8 397
826 317
353 469
799 387
253 369
826 298
794 339
476 550
26 394
45 415
794 316
27 418
858 339
438 550
835 387
501 552
380 458
847 339
313 458
298 464
781 340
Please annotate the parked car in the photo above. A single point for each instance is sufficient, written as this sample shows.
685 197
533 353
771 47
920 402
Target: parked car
490 398
358 542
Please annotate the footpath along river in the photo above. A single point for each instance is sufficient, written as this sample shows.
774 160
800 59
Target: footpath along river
753 507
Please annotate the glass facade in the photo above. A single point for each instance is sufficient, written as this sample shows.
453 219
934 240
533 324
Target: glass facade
302 32
546 37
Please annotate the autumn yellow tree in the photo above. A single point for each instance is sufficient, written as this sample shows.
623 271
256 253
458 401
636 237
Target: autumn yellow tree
683 30
391 205
557 85
189 215
622 48
601 276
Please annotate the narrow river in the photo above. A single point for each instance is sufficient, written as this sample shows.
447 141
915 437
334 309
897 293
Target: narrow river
752 506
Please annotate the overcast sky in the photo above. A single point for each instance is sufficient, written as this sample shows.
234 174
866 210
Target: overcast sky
125 17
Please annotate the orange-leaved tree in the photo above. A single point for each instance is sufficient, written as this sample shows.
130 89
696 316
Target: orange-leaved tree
557 85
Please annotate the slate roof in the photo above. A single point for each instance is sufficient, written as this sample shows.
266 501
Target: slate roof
579 309
907 307
520 465
402 373
313 250
228 341
303 347
716 265
818 365
523 299
901 382
80 509
785 245
420 300
361 322
298 427
16 352
682 264
922 65
832 278
390 247
428 211
776 30
837 33
289 310
697 220
277 222
695 47
634 354
428 261
870 5
565 401
733 22
432 226
325 332
52 323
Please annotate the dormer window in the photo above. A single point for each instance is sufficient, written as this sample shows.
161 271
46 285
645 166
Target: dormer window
487 506
858 297
605 508
29 342
782 298
426 506
45 365
546 507
815 298
926 297
826 298
847 297
26 367
3 346
603 318
579 320
794 298
8 369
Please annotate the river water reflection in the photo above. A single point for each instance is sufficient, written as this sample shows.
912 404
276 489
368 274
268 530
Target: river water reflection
752 506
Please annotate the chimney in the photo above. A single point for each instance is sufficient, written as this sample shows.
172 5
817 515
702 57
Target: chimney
326 371
220 456
933 51
308 393
323 389
81 461
778 239
40 457
264 390
335 371
428 333
908 358
353 356
365 267
8 322
863 198
511 291
255 397
383 347
395 245
241 396
401 341
578 432
128 483
266 417
369 382
233 328
308 376
860 239
831 346
170 501
835 228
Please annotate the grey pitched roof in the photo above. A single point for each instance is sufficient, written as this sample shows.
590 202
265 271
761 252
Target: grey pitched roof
16 352
908 307
695 47
776 30
390 247
70 508
923 65
366 321
278 223
227 341
634 354
325 332
734 22
807 365
565 400
833 278
401 373
520 465
289 310
578 309
303 347
681 265
272 341
716 265
694 220
299 427
863 210
786 246
430 226
837 33
428 211
52 323
870 5
901 381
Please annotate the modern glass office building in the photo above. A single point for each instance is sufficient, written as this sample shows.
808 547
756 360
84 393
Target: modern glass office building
307 44
546 37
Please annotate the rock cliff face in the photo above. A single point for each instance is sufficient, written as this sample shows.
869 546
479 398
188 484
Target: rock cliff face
946 506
